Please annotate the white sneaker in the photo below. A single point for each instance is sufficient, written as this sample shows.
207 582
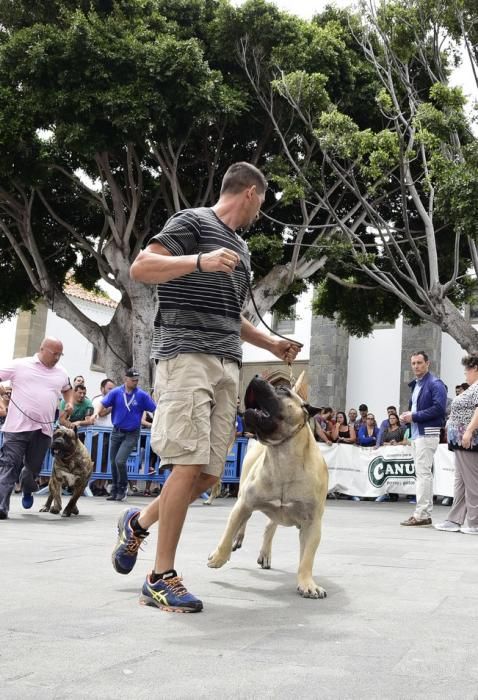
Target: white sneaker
469 530
448 526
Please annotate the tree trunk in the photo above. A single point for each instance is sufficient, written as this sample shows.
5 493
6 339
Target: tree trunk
126 340
267 291
271 287
452 321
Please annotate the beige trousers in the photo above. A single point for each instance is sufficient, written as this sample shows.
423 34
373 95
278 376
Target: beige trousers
424 449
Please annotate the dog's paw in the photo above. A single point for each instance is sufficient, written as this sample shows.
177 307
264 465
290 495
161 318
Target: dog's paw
264 560
309 589
75 511
44 510
238 540
66 514
54 510
216 560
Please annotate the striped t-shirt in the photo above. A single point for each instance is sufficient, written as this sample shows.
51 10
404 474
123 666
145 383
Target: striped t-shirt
201 311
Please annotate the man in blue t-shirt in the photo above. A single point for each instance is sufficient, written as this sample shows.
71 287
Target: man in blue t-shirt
126 403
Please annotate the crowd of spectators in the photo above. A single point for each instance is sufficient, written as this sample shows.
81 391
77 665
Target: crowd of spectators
359 427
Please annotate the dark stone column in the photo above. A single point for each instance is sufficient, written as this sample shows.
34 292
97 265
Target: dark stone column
426 337
329 354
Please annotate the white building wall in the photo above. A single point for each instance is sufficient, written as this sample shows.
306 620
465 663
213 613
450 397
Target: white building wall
373 375
76 348
7 340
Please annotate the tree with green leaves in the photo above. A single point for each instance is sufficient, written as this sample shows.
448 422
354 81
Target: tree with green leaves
395 205
117 113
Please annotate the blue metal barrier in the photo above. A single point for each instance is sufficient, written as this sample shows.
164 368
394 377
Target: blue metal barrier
143 464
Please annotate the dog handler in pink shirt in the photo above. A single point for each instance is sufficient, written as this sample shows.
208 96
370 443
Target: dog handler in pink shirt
37 383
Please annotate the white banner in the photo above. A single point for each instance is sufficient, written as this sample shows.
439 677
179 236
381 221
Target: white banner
370 472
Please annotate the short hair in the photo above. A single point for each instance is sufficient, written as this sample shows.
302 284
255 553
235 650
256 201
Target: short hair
459 386
78 376
105 382
363 407
327 409
465 386
239 176
420 352
80 386
390 407
470 361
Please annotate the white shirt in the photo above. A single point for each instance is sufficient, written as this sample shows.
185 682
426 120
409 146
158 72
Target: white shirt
101 421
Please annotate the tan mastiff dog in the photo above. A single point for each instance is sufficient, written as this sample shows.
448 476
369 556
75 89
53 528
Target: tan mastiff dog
283 475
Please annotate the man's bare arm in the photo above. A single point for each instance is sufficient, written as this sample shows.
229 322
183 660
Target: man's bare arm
156 265
103 410
285 350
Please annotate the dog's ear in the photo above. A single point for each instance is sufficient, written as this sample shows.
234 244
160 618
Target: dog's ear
75 430
311 410
300 386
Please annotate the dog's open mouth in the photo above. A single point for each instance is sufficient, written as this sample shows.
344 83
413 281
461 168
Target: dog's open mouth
57 447
262 407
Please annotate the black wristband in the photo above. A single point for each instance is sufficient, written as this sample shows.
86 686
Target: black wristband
198 262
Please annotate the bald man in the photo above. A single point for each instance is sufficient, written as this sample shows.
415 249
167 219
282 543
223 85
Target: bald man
37 383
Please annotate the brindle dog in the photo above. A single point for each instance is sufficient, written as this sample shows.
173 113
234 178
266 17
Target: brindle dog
283 475
72 467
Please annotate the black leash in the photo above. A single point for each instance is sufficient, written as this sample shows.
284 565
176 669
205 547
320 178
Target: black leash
42 422
249 286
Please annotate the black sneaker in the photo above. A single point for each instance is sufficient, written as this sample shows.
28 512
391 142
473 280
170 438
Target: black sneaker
3 515
169 594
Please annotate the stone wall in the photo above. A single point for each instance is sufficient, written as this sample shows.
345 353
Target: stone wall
426 337
30 330
329 352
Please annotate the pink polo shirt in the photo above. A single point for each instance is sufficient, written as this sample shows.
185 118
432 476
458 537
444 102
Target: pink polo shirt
35 389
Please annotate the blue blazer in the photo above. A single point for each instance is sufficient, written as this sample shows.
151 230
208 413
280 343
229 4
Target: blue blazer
431 405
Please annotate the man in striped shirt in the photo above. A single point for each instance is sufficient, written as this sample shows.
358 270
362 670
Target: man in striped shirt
202 268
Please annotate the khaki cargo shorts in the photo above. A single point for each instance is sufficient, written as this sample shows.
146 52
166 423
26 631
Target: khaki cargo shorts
194 422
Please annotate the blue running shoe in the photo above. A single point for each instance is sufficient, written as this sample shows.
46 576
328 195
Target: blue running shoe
169 594
27 500
128 543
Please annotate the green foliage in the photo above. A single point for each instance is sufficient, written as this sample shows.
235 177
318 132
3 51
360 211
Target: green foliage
306 91
266 251
457 191
107 78
358 310
336 133
282 307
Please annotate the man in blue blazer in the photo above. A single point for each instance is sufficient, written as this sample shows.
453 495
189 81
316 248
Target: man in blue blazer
426 415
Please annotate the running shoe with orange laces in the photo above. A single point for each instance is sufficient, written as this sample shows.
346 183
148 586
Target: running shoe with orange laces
169 594
128 543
